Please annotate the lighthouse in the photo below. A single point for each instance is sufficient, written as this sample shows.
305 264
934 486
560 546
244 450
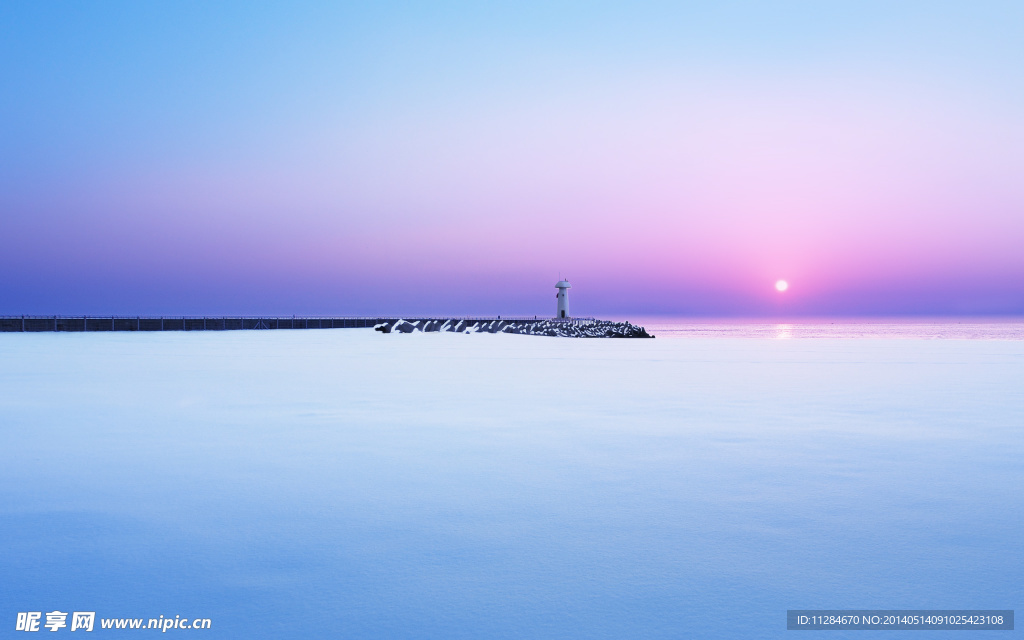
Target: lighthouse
562 296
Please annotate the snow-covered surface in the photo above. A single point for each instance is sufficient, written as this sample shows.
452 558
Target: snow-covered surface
345 483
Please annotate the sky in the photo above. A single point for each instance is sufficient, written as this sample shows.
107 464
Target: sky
170 158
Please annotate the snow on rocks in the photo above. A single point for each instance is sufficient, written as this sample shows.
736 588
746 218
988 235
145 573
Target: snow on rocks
554 328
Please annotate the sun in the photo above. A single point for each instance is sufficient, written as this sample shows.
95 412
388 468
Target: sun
781 285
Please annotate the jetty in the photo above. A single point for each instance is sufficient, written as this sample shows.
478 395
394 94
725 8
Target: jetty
563 327
179 323
554 327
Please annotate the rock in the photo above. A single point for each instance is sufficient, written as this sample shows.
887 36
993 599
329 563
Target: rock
553 328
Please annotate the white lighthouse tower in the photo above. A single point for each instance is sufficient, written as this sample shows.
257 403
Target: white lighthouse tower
563 287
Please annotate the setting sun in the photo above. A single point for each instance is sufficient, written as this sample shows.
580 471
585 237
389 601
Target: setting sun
781 285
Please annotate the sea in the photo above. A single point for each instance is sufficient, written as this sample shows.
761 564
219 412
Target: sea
912 328
350 484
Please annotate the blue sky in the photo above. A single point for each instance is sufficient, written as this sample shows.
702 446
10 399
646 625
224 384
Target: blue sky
287 158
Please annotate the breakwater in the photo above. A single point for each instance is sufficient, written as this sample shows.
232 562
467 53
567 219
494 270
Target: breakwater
179 323
568 328
571 327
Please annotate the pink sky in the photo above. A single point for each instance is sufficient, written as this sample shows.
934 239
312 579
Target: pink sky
877 176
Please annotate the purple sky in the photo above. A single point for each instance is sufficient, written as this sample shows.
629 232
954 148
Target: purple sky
444 159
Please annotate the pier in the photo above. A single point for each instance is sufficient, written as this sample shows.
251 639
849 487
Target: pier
211 323
561 327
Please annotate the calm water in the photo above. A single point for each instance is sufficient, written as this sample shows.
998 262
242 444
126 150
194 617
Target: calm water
352 484
890 328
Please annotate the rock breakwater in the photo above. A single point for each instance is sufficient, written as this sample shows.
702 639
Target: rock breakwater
553 328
